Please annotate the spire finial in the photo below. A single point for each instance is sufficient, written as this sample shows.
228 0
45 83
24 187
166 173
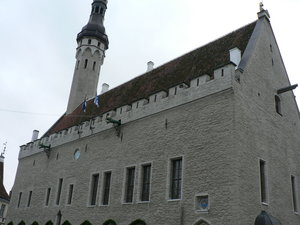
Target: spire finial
4 149
261 6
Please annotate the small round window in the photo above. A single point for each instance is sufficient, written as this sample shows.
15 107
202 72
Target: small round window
76 154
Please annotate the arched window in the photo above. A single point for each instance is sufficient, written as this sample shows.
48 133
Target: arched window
85 64
109 222
138 222
22 223
201 222
278 105
49 223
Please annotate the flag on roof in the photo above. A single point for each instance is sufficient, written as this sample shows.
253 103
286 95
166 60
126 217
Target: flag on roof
96 100
84 105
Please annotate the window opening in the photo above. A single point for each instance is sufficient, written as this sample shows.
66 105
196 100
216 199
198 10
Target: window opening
101 11
137 104
97 9
19 200
2 210
48 196
130 173
60 182
155 97
176 178
106 188
98 43
71 187
29 199
263 181
94 66
271 48
175 91
278 104
89 41
294 188
146 176
77 66
198 82
222 72
94 190
85 63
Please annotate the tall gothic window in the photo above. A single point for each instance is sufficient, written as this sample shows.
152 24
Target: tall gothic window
106 188
94 189
145 187
176 178
130 174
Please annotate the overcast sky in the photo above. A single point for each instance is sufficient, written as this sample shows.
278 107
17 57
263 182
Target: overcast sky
38 44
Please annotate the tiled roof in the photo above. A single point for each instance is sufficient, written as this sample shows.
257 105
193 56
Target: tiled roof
203 60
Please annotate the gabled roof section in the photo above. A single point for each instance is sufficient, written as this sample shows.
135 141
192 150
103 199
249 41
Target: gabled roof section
203 60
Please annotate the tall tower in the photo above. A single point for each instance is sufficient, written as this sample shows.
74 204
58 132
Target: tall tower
92 42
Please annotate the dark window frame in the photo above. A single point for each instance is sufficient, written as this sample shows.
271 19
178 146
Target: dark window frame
48 193
29 198
146 182
106 188
176 171
263 181
294 194
19 199
70 194
129 188
59 190
94 189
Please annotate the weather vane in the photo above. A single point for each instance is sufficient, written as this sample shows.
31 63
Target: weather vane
4 149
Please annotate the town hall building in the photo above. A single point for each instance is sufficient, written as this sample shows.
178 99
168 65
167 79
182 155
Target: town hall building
209 138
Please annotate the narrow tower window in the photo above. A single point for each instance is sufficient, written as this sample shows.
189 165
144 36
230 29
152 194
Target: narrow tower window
278 105
101 11
70 195
130 174
94 189
294 192
60 182
106 188
89 41
94 66
77 66
176 178
97 9
29 198
85 64
48 196
146 175
19 200
263 181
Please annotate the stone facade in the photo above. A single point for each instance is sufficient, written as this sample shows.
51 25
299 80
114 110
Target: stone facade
220 126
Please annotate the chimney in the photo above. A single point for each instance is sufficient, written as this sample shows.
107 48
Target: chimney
35 135
235 56
150 66
105 88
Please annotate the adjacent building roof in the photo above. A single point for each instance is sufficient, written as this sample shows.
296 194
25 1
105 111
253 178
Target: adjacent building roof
3 193
203 60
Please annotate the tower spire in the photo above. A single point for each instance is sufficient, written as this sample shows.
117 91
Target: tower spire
92 43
